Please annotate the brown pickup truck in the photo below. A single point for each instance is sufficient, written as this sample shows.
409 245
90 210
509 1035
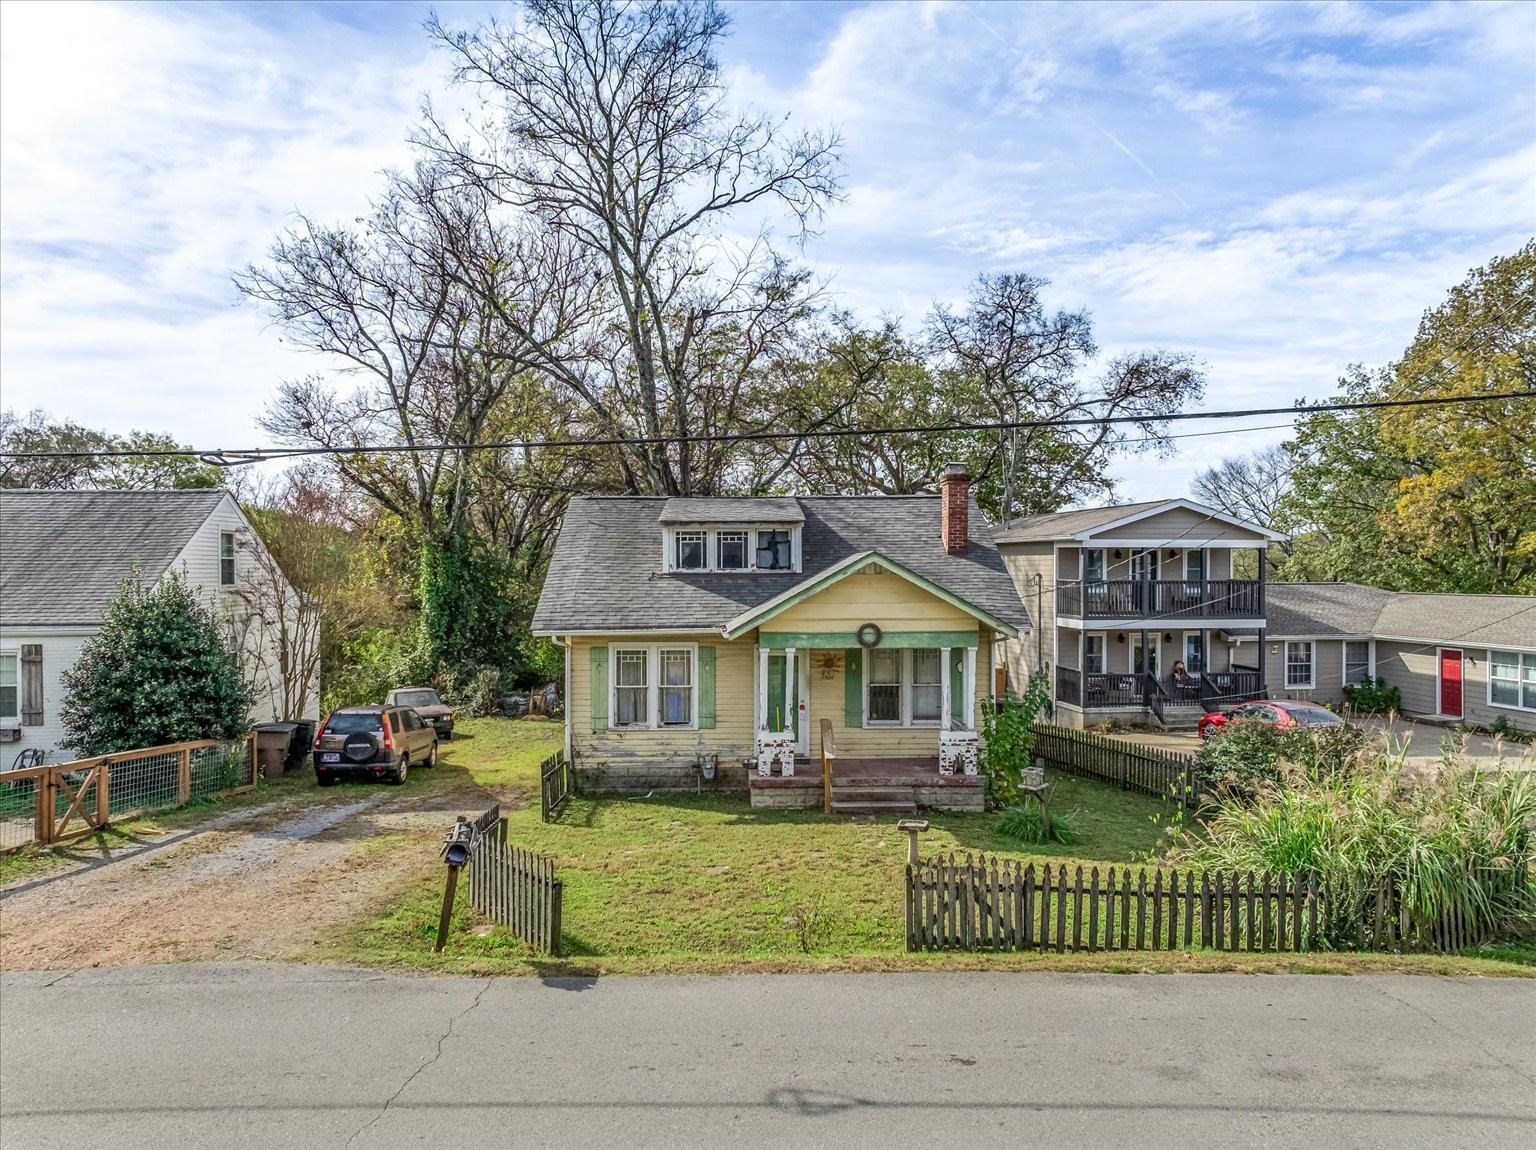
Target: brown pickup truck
426 703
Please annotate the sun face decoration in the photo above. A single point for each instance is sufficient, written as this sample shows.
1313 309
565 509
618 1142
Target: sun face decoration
829 664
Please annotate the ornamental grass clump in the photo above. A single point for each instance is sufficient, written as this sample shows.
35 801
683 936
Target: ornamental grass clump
1459 840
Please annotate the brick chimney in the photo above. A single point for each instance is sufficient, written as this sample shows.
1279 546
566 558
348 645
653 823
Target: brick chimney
955 508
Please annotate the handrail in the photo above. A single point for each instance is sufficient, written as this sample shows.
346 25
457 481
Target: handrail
1166 598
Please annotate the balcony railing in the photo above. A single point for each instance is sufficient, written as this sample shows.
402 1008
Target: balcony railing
1211 691
1161 599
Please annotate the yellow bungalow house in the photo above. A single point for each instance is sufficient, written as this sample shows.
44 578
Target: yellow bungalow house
708 639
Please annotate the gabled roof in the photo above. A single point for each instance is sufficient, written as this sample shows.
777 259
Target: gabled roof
757 616
605 574
63 553
1084 523
1324 609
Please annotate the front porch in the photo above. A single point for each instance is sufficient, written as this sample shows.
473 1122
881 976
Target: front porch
870 786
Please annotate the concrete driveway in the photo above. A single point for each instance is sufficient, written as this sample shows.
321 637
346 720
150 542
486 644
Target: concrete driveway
1425 742
274 1055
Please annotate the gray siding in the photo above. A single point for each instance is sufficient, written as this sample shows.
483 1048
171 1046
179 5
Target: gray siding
1024 561
1179 523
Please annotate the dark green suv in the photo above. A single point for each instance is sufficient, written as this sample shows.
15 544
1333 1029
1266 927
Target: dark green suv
373 742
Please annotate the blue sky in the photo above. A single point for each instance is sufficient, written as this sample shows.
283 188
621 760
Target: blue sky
1281 189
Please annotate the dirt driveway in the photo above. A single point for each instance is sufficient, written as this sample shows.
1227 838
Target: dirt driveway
261 883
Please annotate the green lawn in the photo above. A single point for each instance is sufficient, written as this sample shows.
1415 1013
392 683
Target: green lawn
686 882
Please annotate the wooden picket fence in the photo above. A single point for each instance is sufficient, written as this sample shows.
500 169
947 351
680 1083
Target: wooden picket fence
516 888
1131 766
554 785
1003 904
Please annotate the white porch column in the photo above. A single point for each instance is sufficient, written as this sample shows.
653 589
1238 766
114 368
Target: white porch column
762 688
970 688
946 716
791 723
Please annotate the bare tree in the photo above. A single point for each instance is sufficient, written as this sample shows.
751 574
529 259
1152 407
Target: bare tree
607 123
1251 487
1022 363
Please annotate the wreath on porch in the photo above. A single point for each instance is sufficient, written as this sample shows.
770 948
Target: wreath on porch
869 635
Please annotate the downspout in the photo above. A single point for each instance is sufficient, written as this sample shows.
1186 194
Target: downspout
1039 621
566 643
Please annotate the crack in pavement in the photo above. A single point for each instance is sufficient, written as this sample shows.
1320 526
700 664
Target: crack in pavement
1472 1042
442 1038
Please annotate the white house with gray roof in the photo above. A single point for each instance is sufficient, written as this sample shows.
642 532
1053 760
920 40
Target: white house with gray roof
62 557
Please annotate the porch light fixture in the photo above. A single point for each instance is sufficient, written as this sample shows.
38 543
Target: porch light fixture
1167 637
1120 638
1172 554
1117 553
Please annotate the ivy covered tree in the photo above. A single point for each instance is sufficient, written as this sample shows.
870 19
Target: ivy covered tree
160 670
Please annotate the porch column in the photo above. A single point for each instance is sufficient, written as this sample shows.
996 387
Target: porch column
970 688
946 719
762 688
791 719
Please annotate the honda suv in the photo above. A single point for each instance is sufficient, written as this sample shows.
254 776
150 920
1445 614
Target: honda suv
378 742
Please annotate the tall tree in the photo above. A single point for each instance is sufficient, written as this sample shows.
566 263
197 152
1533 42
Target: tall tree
38 432
608 124
1439 498
1251 487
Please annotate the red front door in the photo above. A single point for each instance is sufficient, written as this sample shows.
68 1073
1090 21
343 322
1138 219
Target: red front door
1450 682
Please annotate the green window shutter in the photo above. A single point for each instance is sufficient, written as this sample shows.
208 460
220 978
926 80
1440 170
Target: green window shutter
957 687
853 688
599 706
706 688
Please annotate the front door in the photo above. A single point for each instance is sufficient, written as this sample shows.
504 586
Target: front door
1144 658
1144 577
800 701
1450 682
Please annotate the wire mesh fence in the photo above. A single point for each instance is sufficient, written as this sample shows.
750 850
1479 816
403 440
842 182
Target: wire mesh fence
50 803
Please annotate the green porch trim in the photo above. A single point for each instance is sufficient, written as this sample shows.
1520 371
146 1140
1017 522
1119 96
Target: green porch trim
760 614
845 640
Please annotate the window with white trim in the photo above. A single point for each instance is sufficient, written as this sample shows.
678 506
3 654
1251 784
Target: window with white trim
905 687
654 686
1512 679
1194 652
10 690
1357 661
731 551
1093 654
226 559
1194 565
1093 565
1298 663
775 550
690 551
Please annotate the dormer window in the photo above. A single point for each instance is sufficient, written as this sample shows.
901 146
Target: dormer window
732 551
731 547
775 550
692 551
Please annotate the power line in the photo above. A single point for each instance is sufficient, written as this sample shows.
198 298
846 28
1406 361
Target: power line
232 458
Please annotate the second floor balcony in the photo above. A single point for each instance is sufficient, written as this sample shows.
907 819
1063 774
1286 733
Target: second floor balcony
1161 599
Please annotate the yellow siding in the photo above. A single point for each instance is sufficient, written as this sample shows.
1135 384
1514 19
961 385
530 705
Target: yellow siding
887 600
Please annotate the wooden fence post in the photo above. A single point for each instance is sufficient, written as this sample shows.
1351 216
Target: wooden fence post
184 773
103 800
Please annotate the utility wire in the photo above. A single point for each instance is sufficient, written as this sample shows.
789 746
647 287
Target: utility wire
233 458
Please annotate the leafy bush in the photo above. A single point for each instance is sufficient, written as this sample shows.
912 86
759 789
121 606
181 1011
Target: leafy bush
1461 839
1008 739
1246 753
160 670
1373 697
1024 824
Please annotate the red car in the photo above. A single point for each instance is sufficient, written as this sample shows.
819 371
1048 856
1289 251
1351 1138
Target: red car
1278 712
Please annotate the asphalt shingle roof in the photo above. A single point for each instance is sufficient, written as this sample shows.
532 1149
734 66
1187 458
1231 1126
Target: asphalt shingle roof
605 573
63 553
1063 524
682 511
1355 609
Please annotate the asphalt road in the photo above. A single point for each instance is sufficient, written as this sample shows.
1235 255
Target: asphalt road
271 1055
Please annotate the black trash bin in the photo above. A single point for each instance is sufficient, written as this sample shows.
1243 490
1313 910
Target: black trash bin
301 744
273 743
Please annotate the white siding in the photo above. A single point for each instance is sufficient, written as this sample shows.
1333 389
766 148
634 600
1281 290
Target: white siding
59 654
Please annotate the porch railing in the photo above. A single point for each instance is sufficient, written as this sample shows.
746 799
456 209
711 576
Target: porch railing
1161 598
1211 691
1222 689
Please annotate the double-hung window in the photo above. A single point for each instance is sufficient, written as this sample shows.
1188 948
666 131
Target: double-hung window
775 550
1093 565
906 687
1194 652
1093 654
1298 663
1194 565
653 686
732 551
1511 679
226 559
10 702
1357 661
692 552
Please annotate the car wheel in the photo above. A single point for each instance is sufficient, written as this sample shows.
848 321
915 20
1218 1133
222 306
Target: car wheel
401 771
325 778
431 756
447 736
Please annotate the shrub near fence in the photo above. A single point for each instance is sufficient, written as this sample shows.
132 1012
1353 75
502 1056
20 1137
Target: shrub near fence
48 804
1132 767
